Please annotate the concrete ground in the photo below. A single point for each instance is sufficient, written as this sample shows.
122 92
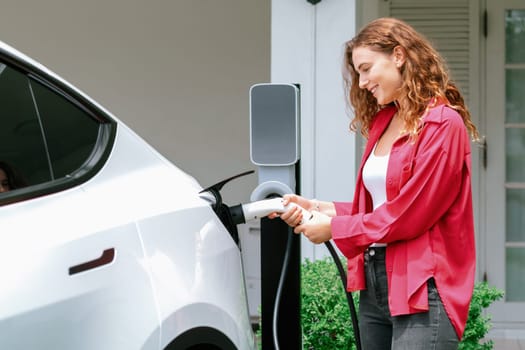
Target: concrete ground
508 339
509 344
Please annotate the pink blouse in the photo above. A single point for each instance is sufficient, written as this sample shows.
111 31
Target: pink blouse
427 220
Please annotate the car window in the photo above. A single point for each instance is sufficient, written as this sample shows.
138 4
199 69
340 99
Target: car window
44 135
69 132
21 141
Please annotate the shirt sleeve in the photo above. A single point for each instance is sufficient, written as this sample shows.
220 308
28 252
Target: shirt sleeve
433 186
343 208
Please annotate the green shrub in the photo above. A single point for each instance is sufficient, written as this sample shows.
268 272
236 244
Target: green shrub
326 320
477 324
325 316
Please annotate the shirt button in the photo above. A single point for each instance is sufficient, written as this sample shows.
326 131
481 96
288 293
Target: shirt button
372 252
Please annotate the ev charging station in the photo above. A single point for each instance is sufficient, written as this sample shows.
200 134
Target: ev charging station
275 150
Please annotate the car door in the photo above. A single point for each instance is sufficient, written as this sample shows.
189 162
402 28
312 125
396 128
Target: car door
68 282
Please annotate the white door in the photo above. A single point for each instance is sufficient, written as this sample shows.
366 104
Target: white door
505 185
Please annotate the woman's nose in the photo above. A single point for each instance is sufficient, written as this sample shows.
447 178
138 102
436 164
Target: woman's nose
363 83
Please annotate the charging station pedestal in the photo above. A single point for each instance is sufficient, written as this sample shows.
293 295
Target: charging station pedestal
274 148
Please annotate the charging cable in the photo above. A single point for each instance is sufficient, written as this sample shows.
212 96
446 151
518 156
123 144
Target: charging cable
349 298
242 213
278 293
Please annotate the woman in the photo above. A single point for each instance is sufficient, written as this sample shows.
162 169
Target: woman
408 235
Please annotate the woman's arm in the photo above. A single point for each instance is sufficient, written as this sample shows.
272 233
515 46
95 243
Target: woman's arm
326 208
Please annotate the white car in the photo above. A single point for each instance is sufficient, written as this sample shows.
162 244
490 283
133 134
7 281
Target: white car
104 243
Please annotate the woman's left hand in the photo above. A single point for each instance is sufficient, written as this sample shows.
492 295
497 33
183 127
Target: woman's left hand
318 229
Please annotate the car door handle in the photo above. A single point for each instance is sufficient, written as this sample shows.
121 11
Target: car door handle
107 257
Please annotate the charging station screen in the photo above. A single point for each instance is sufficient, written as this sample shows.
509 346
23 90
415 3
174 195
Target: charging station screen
274 124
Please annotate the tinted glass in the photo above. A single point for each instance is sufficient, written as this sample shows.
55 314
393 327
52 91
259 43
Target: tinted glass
70 132
21 142
514 91
515 154
515 36
515 210
515 277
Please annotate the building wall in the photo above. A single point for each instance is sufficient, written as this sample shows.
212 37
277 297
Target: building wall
177 72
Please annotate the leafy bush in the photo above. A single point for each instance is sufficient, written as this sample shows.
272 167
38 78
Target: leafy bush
477 324
326 320
325 316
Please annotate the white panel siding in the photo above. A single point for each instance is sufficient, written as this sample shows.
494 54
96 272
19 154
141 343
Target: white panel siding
446 25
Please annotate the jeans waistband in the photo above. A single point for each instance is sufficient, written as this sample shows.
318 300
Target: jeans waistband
376 253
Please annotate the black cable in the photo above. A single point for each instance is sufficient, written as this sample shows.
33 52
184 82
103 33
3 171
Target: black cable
342 274
284 272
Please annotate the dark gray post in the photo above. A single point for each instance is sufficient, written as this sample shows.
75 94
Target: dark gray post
274 148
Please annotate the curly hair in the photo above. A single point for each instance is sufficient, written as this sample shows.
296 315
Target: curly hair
425 78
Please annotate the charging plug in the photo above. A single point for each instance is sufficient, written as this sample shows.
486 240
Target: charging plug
259 209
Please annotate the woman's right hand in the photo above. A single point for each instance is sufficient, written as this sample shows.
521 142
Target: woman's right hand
293 216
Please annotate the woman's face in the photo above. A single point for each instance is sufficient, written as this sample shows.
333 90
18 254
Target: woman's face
379 73
4 182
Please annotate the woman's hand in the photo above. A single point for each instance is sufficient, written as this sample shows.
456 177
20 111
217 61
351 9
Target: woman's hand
293 216
318 229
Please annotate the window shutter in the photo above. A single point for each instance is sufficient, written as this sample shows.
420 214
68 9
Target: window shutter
446 24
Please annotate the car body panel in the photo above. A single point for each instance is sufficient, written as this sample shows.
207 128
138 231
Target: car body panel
196 272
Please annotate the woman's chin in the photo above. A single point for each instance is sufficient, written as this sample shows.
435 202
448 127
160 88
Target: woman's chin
384 101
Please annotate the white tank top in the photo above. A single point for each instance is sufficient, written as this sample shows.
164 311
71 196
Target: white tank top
374 177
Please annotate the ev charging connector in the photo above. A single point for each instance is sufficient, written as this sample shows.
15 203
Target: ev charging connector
275 150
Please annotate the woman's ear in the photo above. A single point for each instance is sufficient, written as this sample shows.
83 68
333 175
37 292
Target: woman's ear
399 56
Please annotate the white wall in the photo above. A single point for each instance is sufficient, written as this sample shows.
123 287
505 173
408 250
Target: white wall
307 44
177 72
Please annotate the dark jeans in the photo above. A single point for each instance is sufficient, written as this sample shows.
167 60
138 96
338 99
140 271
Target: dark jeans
429 330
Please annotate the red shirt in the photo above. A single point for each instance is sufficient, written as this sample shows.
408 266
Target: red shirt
427 219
